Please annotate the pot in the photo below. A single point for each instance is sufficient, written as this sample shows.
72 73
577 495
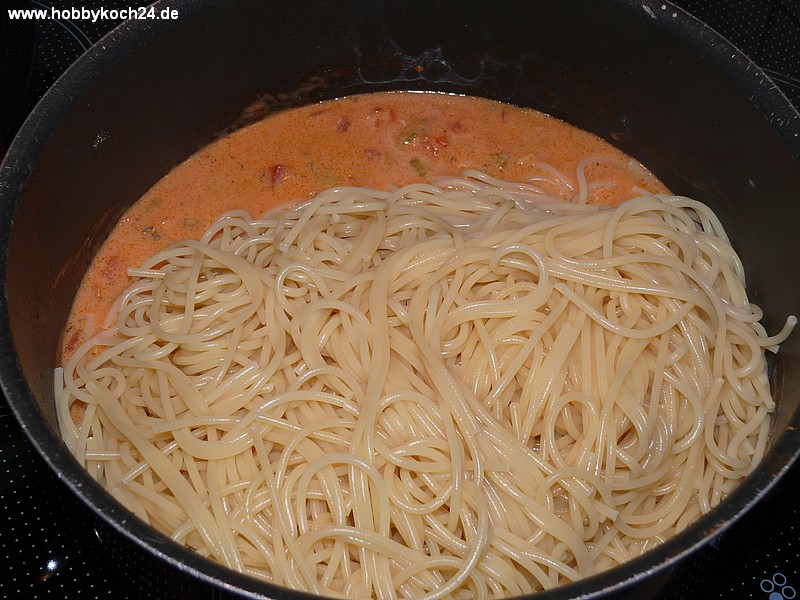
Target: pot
642 74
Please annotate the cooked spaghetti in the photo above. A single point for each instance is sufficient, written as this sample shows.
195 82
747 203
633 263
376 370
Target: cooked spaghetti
469 389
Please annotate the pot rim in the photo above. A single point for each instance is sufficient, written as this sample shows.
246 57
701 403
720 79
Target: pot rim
21 158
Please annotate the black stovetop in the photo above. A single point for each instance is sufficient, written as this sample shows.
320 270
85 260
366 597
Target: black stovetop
52 546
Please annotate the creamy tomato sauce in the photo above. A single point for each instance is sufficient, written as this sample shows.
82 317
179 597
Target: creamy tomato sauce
376 140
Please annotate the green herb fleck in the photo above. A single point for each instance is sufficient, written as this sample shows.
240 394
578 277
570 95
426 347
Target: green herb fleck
501 159
419 167
151 231
153 203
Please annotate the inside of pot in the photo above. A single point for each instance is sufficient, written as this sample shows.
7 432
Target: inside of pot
650 81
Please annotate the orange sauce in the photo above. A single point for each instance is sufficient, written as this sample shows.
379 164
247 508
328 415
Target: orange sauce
376 140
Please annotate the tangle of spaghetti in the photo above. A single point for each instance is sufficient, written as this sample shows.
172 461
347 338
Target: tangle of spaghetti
470 389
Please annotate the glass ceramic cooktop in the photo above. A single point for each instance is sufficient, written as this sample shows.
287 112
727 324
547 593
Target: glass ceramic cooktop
52 546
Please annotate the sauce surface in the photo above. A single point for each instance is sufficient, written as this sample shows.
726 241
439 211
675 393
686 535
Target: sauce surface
381 141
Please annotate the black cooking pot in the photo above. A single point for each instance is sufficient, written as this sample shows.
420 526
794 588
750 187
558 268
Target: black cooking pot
642 74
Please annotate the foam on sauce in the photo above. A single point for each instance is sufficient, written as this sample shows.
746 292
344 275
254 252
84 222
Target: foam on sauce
377 140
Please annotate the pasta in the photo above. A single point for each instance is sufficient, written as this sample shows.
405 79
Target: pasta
468 389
